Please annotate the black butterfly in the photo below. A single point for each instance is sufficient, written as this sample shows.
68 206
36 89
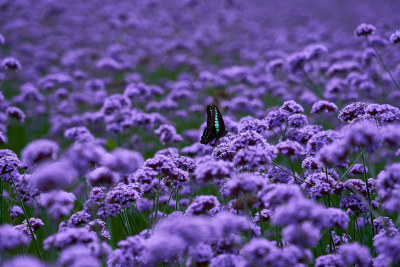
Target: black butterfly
215 126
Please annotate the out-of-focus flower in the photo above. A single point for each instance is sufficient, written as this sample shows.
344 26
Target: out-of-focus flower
204 205
16 113
22 261
289 148
38 151
255 157
53 176
303 235
355 253
11 238
388 182
11 64
318 184
102 176
57 203
244 183
364 29
323 106
15 211
297 120
395 37
167 134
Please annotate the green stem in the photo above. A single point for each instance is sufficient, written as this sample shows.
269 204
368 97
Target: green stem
383 63
27 220
277 165
169 199
261 222
291 167
176 199
143 217
123 225
369 197
157 200
358 230
349 169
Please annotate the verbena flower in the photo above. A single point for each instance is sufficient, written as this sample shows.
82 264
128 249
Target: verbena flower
76 255
323 106
352 111
57 203
102 176
303 235
255 157
244 183
364 29
11 238
214 170
318 184
15 211
355 203
388 182
167 134
16 113
275 195
355 253
54 176
11 64
289 148
38 151
24 260
395 37
204 205
297 120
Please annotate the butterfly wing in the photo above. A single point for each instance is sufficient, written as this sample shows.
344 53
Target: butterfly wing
208 135
219 121
209 116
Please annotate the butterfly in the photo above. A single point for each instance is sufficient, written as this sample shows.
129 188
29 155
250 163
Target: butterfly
215 126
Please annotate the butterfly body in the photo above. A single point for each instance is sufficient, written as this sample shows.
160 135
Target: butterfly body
215 126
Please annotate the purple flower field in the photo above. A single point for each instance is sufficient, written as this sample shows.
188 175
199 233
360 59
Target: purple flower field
199 133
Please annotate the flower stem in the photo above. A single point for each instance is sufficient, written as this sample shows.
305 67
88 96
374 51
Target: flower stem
157 200
1 201
176 199
383 63
369 197
277 165
27 219
349 169
169 199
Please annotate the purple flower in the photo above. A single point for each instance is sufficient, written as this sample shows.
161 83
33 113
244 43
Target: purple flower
227 260
289 148
311 163
352 111
78 218
70 237
276 118
258 252
354 253
200 254
277 175
384 224
355 203
339 218
362 134
58 203
323 106
244 183
255 157
213 170
297 120
330 260
35 223
123 194
11 64
123 161
364 29
388 182
78 255
23 261
97 194
303 235
11 238
204 205
275 195
54 176
251 124
102 176
79 134
395 37
98 226
318 184
16 113
39 151
167 134
391 135
292 107
128 253
15 211
145 176
320 139
299 211
334 154
302 135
